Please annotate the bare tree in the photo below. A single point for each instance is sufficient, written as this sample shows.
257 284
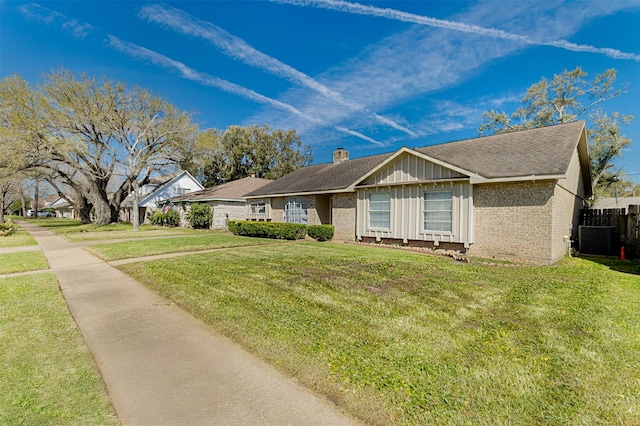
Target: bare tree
103 136
9 193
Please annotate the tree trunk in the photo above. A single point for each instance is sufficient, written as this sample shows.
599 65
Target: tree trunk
103 211
2 198
83 208
23 200
36 199
115 213
135 209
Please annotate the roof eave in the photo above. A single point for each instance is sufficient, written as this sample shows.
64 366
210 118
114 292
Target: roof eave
507 179
585 162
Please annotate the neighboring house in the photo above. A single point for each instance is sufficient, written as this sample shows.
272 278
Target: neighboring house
156 190
510 195
615 203
226 200
63 208
43 203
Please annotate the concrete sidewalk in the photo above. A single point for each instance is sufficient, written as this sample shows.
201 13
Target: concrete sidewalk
162 366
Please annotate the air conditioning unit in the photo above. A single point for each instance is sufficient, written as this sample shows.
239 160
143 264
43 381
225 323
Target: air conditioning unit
596 240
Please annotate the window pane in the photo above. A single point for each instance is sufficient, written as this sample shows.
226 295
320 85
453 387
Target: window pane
380 210
438 211
295 211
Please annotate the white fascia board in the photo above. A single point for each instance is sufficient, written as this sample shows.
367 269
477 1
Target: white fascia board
201 200
515 179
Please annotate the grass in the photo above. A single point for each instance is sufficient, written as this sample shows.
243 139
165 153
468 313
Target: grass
131 249
17 239
22 262
48 376
75 231
402 338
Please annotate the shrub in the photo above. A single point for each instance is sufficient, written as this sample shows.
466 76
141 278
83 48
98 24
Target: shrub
171 218
321 232
200 216
7 228
276 230
157 218
168 218
234 227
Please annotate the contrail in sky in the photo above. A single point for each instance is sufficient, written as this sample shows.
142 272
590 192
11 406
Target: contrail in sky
398 15
237 48
139 52
81 30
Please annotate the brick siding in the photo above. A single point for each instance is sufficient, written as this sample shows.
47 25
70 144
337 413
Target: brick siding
343 216
515 220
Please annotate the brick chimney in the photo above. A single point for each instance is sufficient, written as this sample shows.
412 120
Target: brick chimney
340 155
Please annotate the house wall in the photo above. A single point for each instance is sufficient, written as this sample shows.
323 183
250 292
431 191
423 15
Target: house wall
323 208
406 215
183 185
343 216
515 220
569 198
277 209
224 211
312 210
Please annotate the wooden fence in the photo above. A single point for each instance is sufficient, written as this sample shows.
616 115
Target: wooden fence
608 231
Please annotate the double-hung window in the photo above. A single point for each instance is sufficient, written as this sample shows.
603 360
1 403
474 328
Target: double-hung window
258 207
438 211
295 211
380 210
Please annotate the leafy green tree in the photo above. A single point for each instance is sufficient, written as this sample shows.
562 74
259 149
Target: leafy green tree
568 97
238 152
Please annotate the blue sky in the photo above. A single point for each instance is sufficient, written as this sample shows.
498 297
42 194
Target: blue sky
370 77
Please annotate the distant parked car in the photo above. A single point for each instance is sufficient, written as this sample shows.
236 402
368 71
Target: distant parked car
41 213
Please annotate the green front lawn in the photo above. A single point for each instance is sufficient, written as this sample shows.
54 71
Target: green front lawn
17 239
131 249
22 262
48 376
401 338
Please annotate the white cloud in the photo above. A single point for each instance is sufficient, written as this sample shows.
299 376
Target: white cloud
235 47
41 14
398 15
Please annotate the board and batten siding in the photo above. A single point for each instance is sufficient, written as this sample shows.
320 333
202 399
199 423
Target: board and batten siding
409 168
406 180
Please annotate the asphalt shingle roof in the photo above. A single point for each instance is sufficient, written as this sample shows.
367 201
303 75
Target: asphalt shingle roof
231 190
542 152
322 177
